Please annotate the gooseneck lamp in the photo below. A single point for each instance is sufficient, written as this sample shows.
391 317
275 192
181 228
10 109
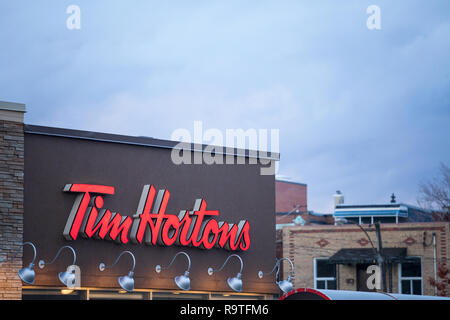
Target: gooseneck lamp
234 283
182 281
67 278
126 282
26 274
284 285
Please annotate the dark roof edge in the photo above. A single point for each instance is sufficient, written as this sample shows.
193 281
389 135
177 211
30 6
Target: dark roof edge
144 141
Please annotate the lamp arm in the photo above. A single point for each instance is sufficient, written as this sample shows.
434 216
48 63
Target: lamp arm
117 260
274 268
57 255
173 259
17 252
34 250
290 262
233 255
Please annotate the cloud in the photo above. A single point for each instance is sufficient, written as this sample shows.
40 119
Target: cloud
363 111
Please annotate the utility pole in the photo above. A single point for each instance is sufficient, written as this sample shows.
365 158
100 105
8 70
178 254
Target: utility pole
380 258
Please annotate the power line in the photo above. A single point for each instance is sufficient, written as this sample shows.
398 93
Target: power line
332 251
343 239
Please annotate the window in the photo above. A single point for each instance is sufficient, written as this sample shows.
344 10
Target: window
410 277
31 293
324 274
384 219
53 294
365 220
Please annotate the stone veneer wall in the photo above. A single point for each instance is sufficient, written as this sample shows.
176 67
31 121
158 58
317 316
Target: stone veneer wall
11 199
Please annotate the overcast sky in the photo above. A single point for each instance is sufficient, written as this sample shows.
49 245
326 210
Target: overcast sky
363 111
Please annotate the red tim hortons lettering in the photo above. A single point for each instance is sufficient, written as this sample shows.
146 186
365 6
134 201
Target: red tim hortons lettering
80 206
151 224
105 225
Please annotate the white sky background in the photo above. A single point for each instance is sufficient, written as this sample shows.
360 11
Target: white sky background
363 111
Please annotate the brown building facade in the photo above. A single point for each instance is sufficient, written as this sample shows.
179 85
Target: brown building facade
103 194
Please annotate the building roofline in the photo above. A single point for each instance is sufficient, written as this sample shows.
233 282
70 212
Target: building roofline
291 182
375 206
281 213
353 227
351 206
12 106
144 141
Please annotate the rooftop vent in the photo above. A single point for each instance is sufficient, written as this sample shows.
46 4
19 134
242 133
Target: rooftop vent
338 198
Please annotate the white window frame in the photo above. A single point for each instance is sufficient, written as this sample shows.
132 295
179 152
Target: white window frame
400 278
326 279
372 218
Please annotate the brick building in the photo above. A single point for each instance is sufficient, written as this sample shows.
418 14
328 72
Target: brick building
338 256
290 196
291 204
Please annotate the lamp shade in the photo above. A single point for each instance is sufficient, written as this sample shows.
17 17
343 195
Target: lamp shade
67 278
235 283
285 285
27 274
183 282
127 282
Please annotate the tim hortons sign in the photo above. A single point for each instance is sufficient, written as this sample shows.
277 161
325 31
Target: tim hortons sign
149 226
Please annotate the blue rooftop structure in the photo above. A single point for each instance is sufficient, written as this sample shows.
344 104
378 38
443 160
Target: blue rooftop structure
392 212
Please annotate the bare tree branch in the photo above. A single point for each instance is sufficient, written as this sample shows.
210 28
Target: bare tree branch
435 195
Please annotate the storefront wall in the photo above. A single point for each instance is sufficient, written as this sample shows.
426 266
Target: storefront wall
54 158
